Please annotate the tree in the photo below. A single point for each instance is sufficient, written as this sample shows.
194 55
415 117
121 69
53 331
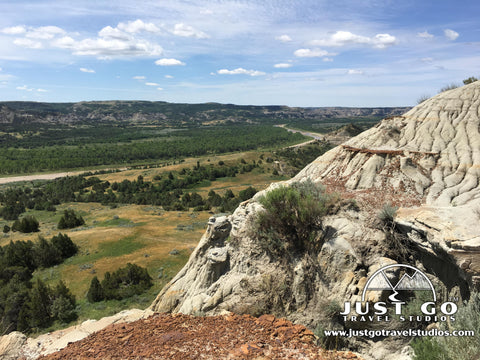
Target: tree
46 254
95 292
63 304
27 224
70 220
64 245
39 305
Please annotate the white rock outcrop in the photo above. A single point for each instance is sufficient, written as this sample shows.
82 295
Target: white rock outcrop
430 155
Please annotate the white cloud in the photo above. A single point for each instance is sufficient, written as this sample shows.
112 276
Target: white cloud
184 30
282 65
425 35
113 33
159 88
168 77
14 30
311 53
106 48
427 59
343 38
151 84
327 59
354 72
283 38
240 71
42 90
169 62
85 70
28 43
138 26
111 42
451 34
65 42
24 88
45 32
139 77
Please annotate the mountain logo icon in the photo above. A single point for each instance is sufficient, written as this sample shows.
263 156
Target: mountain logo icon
413 280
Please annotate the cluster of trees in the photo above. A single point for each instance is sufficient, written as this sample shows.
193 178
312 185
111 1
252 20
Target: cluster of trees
167 190
27 306
300 157
185 143
125 282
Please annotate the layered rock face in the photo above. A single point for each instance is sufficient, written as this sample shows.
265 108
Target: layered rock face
430 155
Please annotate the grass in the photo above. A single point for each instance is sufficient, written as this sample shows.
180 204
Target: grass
141 234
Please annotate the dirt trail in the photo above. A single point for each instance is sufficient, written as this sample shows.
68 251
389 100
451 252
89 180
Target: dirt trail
12 179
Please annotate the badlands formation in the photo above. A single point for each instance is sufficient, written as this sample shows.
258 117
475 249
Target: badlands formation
426 162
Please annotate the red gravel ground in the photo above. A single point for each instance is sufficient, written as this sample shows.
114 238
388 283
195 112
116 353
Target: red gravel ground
179 337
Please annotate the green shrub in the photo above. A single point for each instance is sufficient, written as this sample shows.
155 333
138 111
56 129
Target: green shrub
64 245
70 220
454 347
27 224
387 214
428 349
124 282
95 292
293 217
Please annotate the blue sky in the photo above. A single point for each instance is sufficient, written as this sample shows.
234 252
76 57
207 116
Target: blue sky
283 52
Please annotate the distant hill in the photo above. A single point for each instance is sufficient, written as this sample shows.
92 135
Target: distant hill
171 114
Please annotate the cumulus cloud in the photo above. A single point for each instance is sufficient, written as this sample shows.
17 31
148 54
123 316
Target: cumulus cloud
282 65
159 88
283 38
138 26
109 47
65 42
451 34
113 33
425 35
184 30
311 53
85 70
28 43
14 30
168 77
42 90
120 41
344 38
169 62
139 77
240 71
151 84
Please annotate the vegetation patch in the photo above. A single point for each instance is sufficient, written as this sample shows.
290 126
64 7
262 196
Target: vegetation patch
292 220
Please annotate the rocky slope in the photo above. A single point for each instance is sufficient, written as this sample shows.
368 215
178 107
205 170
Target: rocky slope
426 161
164 336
